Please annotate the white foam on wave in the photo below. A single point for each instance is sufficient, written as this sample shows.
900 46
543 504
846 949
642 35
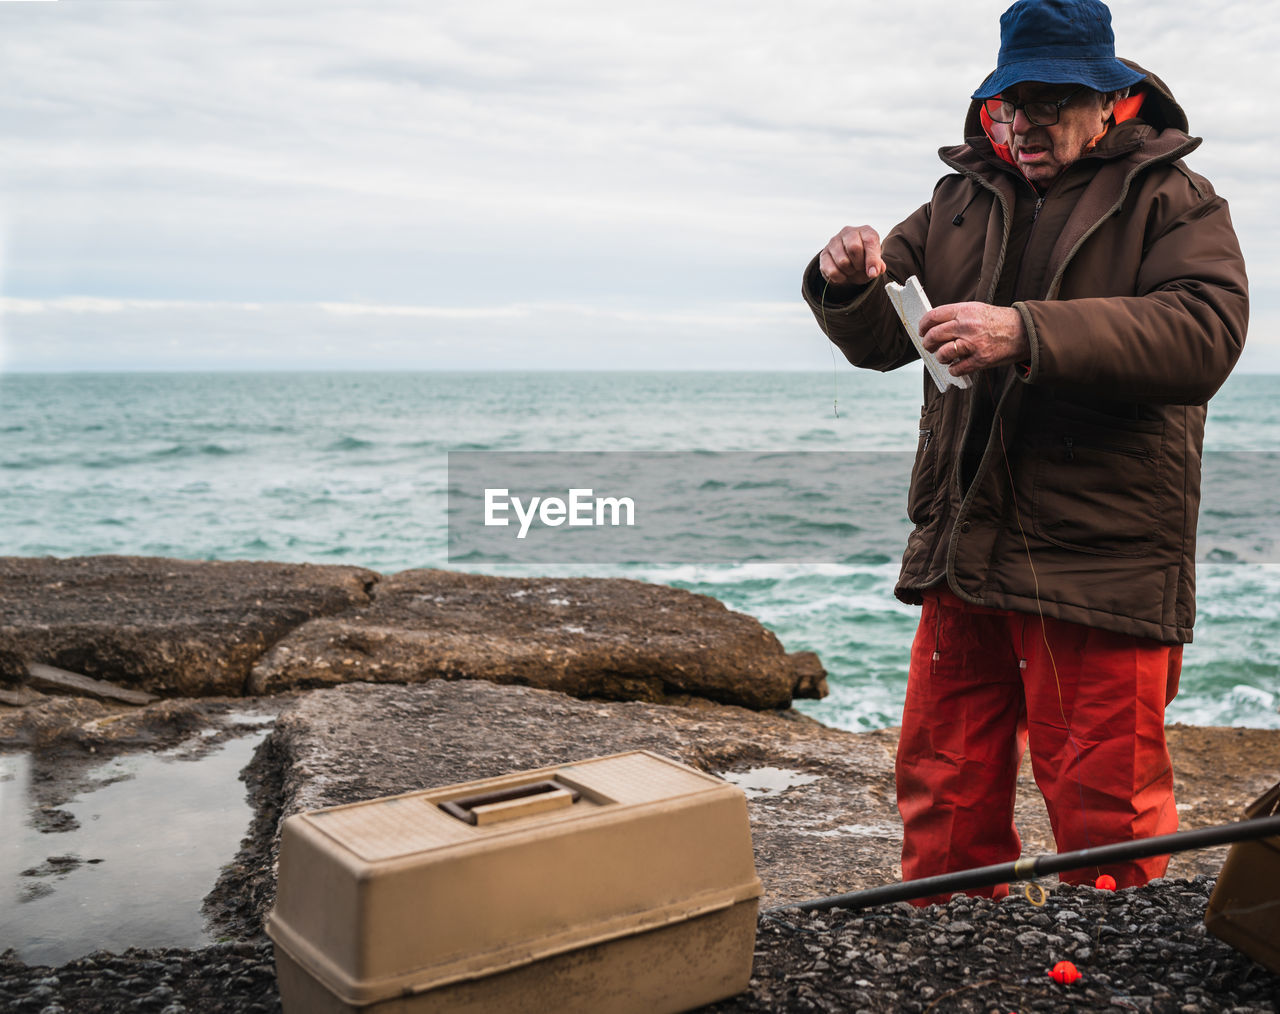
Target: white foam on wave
1242 693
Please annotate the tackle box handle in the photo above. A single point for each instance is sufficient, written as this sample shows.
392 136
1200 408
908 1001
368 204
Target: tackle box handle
507 804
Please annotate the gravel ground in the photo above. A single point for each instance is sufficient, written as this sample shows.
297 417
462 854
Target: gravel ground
225 978
1142 950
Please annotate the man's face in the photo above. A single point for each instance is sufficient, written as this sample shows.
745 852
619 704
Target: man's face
1042 153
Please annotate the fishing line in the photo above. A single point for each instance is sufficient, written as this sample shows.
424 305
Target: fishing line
960 989
1044 630
822 303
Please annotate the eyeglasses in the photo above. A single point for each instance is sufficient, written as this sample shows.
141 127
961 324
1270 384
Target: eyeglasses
1041 112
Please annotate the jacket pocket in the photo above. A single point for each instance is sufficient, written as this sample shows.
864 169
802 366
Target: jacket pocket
1097 483
924 472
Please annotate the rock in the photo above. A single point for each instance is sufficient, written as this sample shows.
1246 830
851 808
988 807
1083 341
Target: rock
811 677
42 725
58 681
834 833
20 697
175 627
53 820
185 628
818 838
13 667
1216 774
72 730
837 833
589 637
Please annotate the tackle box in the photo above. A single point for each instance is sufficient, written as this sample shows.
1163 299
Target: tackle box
616 884
1244 909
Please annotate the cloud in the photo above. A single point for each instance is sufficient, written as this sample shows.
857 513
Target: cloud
94 334
659 158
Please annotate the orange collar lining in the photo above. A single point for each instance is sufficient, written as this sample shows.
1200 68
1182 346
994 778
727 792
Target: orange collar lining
1126 109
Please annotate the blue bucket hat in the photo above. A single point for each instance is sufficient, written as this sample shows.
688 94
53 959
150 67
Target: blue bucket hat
1058 42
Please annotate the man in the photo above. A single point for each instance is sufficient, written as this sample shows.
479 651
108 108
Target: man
1091 287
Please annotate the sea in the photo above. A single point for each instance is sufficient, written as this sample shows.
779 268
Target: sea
353 468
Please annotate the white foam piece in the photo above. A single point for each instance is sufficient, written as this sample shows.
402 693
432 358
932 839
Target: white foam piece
912 304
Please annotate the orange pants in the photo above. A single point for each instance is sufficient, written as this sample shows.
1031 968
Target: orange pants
986 683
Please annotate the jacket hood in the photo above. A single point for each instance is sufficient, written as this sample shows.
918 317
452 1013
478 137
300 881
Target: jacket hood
1160 110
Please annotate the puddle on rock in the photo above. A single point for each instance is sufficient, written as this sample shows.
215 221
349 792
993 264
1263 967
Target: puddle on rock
128 860
767 781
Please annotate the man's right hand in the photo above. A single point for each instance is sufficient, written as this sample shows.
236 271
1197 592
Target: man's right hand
852 257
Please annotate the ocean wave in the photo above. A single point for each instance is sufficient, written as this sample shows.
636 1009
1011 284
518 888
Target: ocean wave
766 484
476 556
869 558
757 575
163 459
349 444
92 458
1253 551
853 608
188 451
802 525
1252 697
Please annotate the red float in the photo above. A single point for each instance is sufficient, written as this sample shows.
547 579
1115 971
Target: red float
1065 973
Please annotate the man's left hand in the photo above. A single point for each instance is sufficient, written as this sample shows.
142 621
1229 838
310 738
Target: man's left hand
968 337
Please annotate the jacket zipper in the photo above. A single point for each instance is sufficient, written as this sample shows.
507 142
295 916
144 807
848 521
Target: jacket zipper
1031 235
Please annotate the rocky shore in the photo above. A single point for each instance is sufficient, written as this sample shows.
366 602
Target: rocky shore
387 684
195 629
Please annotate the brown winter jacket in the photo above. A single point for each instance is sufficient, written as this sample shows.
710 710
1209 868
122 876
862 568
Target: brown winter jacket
1130 280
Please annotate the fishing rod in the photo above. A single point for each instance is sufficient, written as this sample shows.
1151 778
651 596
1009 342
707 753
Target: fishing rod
1029 868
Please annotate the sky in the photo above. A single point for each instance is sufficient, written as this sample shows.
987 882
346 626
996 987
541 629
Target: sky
497 184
